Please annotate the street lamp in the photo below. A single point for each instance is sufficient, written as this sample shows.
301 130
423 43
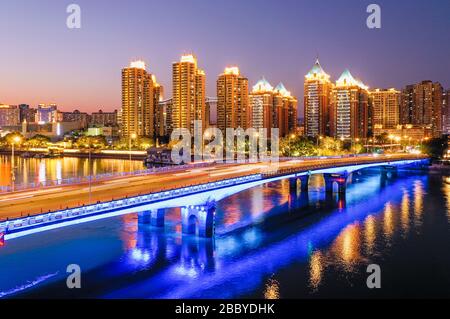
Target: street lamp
318 139
292 136
16 139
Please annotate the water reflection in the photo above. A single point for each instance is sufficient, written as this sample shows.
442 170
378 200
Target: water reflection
370 233
307 241
346 247
388 222
405 216
315 269
418 203
33 170
446 191
272 289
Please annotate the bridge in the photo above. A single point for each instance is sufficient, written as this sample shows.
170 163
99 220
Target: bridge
195 191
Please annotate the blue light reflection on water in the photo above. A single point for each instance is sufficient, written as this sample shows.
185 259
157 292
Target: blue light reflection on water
120 258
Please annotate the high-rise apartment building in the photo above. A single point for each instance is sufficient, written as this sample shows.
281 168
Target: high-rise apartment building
165 117
157 114
27 113
211 111
9 115
261 106
421 104
137 112
232 100
446 112
104 118
188 94
76 116
272 108
407 101
385 108
47 113
317 88
349 108
285 106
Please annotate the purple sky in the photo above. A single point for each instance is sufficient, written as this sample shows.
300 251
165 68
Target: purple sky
41 60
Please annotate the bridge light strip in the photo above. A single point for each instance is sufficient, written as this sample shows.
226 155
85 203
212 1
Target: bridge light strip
21 227
29 225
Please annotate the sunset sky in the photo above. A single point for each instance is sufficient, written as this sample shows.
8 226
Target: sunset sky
42 61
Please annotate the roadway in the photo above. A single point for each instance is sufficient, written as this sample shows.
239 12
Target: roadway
13 205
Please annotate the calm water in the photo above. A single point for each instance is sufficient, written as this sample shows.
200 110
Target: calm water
270 243
33 170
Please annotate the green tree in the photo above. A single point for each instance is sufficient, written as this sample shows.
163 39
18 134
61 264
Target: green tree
37 141
297 146
14 137
93 142
329 146
144 143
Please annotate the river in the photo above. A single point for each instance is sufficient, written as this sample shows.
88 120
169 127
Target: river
270 243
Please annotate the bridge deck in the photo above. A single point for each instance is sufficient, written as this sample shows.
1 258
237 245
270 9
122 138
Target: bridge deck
19 204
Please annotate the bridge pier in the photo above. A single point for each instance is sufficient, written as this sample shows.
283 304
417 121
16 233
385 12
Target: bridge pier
339 179
198 253
198 220
304 180
389 171
155 217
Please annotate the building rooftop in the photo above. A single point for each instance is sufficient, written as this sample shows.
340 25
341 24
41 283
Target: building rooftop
262 86
317 72
347 79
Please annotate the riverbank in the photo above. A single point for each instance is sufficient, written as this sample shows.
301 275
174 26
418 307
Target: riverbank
104 154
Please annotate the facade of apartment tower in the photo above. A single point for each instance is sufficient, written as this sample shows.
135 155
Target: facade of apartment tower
317 88
349 108
385 107
136 116
232 100
421 104
188 102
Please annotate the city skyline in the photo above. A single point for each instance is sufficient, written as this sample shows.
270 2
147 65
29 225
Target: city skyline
93 51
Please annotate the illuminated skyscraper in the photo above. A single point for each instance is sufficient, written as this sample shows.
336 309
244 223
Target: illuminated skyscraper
422 105
232 100
211 111
157 113
272 108
385 108
47 113
446 112
261 106
285 106
165 117
317 101
137 113
9 115
349 108
188 94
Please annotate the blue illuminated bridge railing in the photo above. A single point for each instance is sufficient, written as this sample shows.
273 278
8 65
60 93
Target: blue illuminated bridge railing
27 225
51 219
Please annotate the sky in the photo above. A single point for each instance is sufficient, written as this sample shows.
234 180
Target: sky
43 61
